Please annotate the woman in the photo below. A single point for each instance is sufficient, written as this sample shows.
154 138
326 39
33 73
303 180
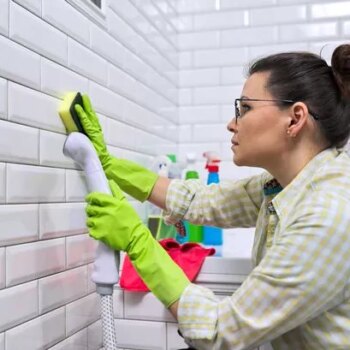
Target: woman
292 120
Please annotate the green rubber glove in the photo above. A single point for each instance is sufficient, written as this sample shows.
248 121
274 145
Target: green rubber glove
114 221
132 178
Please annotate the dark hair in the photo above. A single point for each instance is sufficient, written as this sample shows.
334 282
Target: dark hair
306 77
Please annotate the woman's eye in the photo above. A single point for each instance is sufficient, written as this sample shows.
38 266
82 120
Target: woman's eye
244 108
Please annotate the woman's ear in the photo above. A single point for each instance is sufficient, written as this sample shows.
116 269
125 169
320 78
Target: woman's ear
298 118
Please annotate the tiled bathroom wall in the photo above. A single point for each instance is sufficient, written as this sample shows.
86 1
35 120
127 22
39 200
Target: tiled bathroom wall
126 60
218 38
163 75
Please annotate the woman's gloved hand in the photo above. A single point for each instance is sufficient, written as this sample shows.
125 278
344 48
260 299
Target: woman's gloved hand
92 128
132 178
114 221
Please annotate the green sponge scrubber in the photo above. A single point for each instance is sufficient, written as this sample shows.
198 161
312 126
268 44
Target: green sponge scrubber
68 114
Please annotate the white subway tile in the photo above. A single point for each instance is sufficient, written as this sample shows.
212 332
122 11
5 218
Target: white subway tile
197 148
232 75
40 333
81 313
185 97
183 23
30 261
80 250
228 4
145 306
227 113
106 101
332 9
95 335
62 288
325 48
91 286
2 182
31 5
2 270
18 304
174 341
76 188
118 303
37 35
57 80
4 17
67 19
201 40
275 15
25 151
249 36
46 184
184 6
77 341
42 112
3 98
185 59
18 223
219 20
19 64
185 133
216 95
309 31
346 28
210 133
86 62
2 341
122 82
221 57
105 45
51 150
265 50
61 219
199 114
199 77
146 334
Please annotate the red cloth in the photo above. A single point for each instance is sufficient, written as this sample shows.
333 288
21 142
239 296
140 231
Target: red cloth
189 256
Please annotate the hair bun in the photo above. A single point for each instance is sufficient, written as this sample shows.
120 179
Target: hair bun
341 68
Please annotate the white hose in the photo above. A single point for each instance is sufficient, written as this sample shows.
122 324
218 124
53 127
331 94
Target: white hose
105 269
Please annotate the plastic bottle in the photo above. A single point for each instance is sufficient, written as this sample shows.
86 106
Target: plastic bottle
212 236
194 232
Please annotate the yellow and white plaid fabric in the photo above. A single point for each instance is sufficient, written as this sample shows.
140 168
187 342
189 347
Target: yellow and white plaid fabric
297 296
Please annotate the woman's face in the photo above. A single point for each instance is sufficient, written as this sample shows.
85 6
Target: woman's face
259 136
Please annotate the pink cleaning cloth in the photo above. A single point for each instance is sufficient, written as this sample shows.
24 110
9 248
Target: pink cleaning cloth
189 256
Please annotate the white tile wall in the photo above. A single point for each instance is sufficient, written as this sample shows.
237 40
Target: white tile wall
2 268
32 32
3 98
40 333
4 24
18 304
61 219
82 313
62 288
31 261
163 75
18 223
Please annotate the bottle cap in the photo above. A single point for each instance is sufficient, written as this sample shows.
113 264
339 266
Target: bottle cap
191 174
213 168
172 157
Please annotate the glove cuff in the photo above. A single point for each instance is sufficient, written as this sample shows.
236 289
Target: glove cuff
132 178
160 273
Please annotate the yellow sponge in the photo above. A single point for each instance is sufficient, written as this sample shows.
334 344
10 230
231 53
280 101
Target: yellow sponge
68 114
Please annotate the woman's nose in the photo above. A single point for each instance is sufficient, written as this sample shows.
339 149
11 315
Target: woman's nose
231 126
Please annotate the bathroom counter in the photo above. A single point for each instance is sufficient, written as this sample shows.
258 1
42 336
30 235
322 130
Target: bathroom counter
142 321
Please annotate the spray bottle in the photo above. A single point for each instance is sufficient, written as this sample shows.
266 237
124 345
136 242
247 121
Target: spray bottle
212 236
194 233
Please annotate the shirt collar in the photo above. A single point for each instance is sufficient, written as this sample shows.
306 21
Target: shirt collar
283 197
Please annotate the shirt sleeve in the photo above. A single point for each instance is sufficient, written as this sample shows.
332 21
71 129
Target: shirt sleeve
303 274
227 204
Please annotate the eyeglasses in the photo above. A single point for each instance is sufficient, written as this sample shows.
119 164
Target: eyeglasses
240 112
